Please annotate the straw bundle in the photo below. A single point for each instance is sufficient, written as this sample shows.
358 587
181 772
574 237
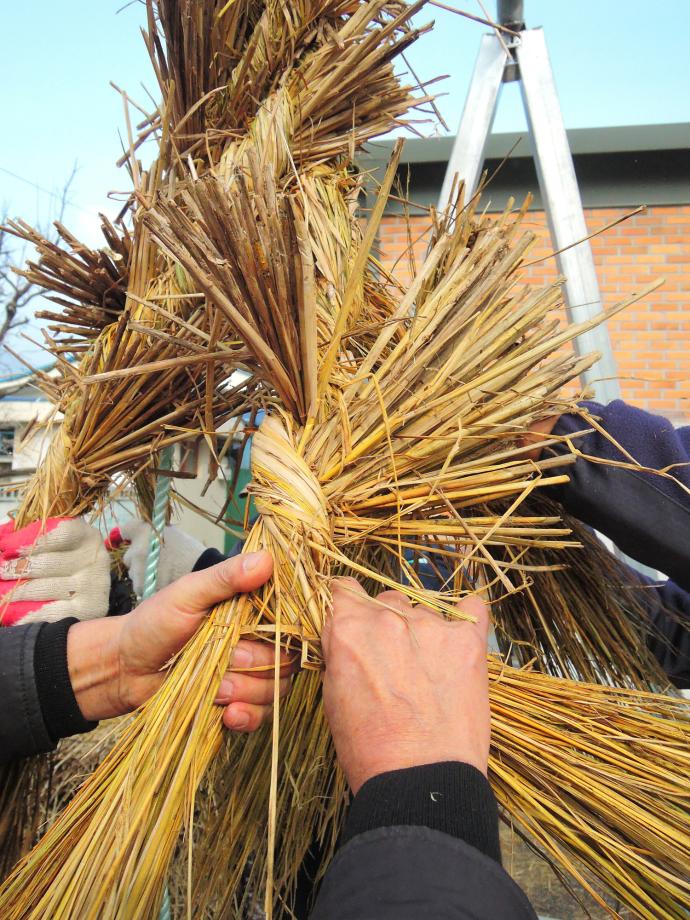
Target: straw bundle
392 432
155 354
581 612
142 381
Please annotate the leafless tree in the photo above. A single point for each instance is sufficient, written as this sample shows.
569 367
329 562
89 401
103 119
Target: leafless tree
16 293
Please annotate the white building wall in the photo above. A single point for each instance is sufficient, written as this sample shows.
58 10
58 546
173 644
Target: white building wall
24 412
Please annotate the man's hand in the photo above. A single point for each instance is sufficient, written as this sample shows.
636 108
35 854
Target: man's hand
117 663
402 686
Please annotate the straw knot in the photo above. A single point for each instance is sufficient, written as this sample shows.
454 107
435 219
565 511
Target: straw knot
271 133
284 487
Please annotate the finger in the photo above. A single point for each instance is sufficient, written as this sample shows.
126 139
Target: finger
260 658
347 587
12 541
344 592
243 688
475 607
197 592
91 586
56 566
67 534
245 717
395 600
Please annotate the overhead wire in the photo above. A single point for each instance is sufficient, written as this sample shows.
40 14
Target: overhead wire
68 201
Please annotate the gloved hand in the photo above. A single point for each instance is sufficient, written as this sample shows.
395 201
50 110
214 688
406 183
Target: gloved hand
179 552
52 570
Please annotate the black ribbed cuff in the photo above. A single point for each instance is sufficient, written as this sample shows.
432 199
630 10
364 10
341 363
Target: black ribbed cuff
451 797
59 707
209 557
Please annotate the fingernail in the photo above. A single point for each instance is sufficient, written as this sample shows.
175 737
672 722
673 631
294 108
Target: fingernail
242 657
238 720
224 694
250 561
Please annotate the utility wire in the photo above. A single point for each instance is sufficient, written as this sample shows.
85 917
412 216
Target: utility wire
45 191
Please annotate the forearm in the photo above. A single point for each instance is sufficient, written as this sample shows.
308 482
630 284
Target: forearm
647 515
421 842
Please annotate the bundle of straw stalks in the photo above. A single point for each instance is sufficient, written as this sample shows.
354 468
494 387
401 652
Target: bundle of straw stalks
392 433
140 382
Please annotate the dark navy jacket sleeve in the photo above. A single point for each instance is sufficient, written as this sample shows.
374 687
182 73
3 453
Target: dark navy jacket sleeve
669 641
647 516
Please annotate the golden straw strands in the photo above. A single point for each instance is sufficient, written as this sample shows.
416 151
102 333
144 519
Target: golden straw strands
392 430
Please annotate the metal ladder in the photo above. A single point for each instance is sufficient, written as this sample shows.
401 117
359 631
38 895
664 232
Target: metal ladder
522 56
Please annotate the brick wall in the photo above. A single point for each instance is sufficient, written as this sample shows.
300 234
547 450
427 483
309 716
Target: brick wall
651 339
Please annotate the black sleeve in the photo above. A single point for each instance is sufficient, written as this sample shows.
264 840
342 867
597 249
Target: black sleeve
39 706
421 842
451 797
410 873
61 713
22 729
212 556
646 515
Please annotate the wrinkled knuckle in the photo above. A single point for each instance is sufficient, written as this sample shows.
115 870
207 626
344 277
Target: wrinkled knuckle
428 619
186 583
475 607
346 638
345 599
225 575
393 599
345 583
394 623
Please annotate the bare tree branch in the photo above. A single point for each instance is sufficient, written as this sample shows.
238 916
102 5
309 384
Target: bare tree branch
16 293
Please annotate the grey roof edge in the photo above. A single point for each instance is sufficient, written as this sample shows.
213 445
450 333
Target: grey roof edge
620 139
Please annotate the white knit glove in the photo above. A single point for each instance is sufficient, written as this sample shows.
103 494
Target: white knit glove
51 570
179 553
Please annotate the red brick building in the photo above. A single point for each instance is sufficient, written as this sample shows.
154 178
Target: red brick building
618 169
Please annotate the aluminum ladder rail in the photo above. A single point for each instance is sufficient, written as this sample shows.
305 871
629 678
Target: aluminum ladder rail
524 57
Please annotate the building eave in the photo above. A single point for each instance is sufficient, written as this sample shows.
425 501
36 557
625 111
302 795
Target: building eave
616 167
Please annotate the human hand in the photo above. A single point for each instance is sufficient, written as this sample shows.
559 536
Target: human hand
116 664
402 686
538 433
178 554
51 570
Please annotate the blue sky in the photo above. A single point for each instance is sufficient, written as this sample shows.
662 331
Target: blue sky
615 62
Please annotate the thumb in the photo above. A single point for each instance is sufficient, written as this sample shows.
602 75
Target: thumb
163 623
196 592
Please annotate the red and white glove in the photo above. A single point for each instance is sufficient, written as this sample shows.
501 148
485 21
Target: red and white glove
179 552
51 570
